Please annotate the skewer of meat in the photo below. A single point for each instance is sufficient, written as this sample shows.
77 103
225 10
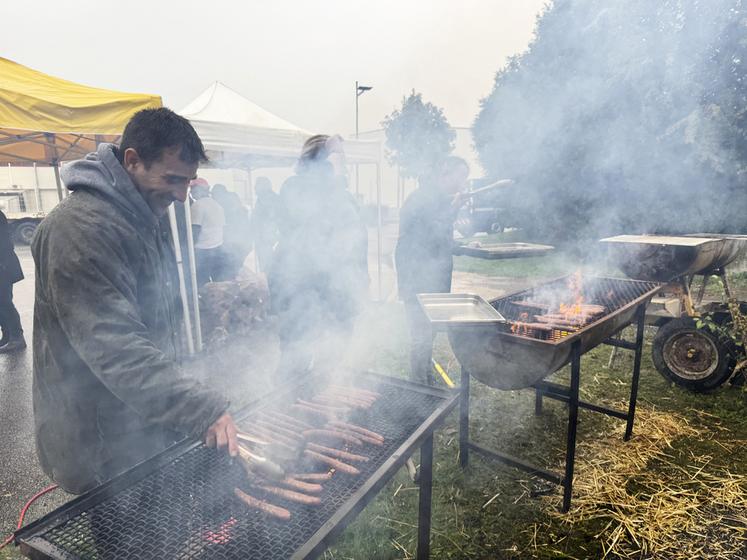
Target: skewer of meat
312 477
301 485
357 429
261 505
290 495
337 465
336 436
337 453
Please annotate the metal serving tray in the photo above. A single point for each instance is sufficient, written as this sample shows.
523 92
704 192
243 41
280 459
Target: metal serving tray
493 251
459 310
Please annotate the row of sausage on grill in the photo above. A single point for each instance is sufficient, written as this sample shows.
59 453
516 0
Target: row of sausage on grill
316 435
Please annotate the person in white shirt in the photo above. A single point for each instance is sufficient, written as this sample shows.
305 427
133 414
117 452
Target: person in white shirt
208 221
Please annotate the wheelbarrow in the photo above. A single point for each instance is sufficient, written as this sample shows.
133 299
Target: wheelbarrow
696 358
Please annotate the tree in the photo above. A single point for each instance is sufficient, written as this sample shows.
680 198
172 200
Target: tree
417 136
625 116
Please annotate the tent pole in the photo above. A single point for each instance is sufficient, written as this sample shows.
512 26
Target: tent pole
37 194
378 227
182 285
193 275
56 167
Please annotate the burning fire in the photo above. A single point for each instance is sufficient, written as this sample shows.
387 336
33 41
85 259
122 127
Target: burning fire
552 320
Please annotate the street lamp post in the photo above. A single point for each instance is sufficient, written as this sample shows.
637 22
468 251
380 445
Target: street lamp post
359 90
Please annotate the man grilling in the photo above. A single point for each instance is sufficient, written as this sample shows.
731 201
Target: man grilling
108 390
423 253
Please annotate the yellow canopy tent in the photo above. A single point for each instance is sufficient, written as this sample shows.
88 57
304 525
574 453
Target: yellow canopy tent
47 120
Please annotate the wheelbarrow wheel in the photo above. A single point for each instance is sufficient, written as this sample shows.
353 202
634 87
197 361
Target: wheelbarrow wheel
691 357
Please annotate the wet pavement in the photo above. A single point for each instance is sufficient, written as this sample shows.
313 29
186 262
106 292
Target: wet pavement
20 474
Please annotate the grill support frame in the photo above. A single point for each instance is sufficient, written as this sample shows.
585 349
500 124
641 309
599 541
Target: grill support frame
568 394
32 544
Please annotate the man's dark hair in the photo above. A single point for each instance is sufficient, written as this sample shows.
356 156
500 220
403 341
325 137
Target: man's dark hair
151 131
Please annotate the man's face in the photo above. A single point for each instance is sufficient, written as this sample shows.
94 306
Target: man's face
455 181
165 181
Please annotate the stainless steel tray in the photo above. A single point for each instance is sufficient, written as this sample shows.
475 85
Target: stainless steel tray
458 310
502 250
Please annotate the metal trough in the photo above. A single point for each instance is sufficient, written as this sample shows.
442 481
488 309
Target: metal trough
505 360
664 258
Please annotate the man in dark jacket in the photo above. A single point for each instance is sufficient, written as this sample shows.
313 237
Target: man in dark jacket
10 273
319 274
423 255
108 391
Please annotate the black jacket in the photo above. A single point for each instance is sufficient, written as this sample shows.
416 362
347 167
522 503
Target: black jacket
10 268
322 253
424 247
108 392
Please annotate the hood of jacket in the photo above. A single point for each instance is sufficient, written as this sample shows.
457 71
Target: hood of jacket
102 173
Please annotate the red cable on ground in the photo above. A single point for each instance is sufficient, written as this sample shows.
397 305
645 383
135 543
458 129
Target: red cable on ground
35 497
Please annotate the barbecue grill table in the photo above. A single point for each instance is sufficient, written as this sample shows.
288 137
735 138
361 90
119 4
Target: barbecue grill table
180 504
508 360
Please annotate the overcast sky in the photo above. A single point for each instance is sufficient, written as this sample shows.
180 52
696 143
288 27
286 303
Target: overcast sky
296 58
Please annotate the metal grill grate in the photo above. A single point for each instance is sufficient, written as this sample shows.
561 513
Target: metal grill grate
612 293
187 510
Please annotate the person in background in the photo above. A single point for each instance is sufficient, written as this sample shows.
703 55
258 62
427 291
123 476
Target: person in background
10 273
208 221
265 222
237 235
109 390
423 255
319 275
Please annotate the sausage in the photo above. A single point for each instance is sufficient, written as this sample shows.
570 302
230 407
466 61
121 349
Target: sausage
312 477
264 507
284 424
301 486
293 421
279 430
314 412
338 465
338 453
356 391
290 495
347 400
332 435
273 437
356 429
328 407
366 439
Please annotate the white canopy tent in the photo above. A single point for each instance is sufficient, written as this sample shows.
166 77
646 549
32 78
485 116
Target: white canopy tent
239 134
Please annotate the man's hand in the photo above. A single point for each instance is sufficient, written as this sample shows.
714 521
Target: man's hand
222 434
459 200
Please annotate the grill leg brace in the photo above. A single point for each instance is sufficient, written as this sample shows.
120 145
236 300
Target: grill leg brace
570 446
424 508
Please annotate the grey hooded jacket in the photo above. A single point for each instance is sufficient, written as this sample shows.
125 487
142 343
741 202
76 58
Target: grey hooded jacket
107 391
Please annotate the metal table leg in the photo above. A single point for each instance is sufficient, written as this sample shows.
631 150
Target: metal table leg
570 454
464 419
640 323
424 508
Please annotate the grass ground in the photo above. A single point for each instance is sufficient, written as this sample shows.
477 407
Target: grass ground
492 512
